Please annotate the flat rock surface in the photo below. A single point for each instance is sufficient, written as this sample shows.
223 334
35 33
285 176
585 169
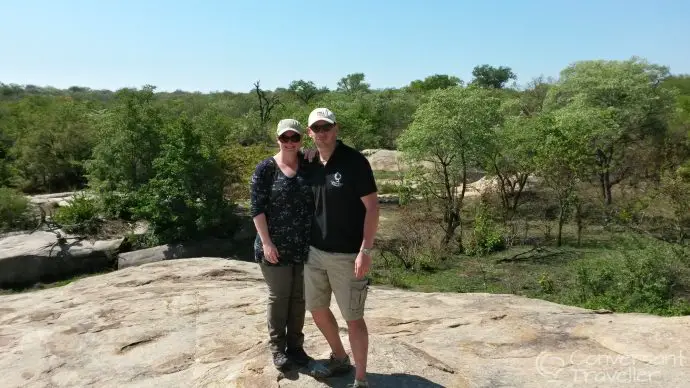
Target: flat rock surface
201 323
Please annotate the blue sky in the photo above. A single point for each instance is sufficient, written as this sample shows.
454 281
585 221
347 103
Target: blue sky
210 45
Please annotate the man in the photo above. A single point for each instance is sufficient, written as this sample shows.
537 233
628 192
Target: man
344 227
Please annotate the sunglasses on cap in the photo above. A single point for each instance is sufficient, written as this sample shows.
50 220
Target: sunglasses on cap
293 138
316 128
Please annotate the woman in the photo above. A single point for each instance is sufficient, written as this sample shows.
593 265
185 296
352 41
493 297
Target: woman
281 207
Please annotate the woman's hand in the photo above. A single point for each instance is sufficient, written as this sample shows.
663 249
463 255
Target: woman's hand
310 153
271 253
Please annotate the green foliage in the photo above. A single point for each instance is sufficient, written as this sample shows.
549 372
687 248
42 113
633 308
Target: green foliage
15 213
452 131
52 141
561 157
239 164
646 280
355 114
128 141
627 93
414 245
353 83
487 76
676 187
184 198
305 91
486 236
81 216
546 283
433 82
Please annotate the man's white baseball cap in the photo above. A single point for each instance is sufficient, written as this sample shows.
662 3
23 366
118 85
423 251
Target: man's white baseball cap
321 114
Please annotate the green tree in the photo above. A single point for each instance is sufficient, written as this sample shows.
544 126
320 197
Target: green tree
629 91
512 146
129 138
510 159
306 91
488 76
433 82
353 83
561 153
677 143
355 114
451 131
184 199
52 140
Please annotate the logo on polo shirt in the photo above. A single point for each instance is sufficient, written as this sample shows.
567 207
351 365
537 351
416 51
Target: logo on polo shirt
336 180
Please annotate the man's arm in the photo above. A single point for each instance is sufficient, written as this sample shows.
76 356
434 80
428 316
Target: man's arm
371 219
367 192
371 222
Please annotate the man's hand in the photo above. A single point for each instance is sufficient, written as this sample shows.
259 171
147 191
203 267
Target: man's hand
362 265
271 253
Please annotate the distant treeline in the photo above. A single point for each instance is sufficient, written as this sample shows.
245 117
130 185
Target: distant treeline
48 135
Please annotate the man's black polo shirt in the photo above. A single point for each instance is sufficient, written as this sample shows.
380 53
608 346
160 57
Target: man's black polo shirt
339 212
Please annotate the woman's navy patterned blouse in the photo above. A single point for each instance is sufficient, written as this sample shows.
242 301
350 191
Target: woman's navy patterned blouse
288 204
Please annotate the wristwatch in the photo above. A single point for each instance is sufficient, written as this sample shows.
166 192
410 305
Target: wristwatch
366 251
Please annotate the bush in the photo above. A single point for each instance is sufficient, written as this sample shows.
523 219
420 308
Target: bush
81 216
15 213
184 200
647 280
118 205
486 236
388 188
239 163
546 283
414 242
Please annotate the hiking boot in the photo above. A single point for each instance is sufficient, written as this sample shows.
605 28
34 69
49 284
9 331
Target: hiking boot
280 359
337 366
332 367
298 356
359 384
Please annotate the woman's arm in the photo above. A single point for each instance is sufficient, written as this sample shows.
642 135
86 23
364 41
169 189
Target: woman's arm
260 196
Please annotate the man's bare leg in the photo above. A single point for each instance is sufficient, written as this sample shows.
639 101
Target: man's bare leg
359 341
325 321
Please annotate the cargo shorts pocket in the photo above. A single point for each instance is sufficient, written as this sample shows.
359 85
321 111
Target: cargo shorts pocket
358 294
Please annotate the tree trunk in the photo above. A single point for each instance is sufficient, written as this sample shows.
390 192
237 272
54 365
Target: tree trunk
449 213
522 181
580 222
561 221
451 224
607 184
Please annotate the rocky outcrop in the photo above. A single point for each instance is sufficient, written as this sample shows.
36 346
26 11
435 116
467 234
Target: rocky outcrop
43 256
201 323
55 199
388 160
209 247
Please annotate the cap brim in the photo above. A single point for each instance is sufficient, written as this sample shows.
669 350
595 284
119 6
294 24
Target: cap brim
329 121
282 131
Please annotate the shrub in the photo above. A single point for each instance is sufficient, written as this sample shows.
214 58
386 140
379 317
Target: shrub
81 216
15 213
184 200
486 236
546 283
387 188
413 243
239 163
677 189
648 280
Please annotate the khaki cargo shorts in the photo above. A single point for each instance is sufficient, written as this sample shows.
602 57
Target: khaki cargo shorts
326 272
